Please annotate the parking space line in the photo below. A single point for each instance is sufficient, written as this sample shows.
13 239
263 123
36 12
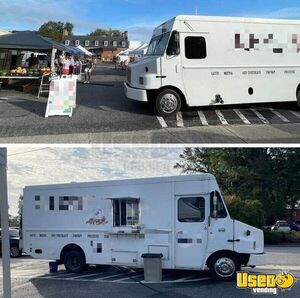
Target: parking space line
221 117
260 116
241 115
179 119
128 277
105 277
297 114
162 122
185 278
279 115
88 275
202 118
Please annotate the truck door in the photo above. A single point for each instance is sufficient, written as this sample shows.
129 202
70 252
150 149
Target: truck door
171 63
190 231
195 72
220 230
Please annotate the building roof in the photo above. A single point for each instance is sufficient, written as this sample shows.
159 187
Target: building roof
95 37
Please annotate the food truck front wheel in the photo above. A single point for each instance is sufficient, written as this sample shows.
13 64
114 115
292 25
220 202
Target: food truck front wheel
224 265
167 103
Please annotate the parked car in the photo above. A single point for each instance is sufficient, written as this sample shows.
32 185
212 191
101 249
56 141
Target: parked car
14 240
281 226
295 226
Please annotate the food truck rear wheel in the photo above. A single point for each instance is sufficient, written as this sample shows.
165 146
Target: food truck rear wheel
224 266
74 261
168 102
15 251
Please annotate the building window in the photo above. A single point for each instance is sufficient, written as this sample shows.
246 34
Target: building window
126 212
106 43
217 211
67 42
70 203
124 44
77 42
87 43
191 209
37 202
115 44
51 203
96 43
195 47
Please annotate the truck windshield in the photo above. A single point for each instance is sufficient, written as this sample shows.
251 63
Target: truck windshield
158 45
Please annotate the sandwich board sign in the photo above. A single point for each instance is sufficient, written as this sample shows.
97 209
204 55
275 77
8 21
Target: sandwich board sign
62 97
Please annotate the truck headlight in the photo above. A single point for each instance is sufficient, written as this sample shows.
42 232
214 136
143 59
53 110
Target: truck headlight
141 81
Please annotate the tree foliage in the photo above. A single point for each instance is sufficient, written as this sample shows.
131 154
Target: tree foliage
268 175
106 32
54 30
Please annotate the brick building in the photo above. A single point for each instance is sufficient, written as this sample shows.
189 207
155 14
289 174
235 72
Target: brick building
105 47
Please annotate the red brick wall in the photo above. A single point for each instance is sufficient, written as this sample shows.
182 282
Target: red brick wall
110 55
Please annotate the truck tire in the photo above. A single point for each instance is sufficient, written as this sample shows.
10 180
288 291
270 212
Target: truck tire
14 251
224 266
167 103
74 261
298 98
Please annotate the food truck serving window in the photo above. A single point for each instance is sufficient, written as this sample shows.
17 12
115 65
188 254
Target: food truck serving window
191 209
126 212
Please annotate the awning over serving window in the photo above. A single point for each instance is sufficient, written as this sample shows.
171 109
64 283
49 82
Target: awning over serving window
123 199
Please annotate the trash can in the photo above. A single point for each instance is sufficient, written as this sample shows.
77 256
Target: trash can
52 267
152 267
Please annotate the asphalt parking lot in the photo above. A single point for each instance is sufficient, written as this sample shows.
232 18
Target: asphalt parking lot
31 278
105 115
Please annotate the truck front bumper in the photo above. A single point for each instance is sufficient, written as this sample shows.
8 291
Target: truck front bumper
257 260
136 94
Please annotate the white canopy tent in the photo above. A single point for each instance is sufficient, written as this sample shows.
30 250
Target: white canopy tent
85 51
137 50
140 51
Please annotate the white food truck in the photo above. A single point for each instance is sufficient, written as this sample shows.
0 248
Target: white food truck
202 61
184 218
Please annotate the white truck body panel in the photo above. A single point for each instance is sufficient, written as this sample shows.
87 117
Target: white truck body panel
87 214
246 61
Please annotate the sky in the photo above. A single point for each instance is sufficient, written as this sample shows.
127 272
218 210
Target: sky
139 17
40 166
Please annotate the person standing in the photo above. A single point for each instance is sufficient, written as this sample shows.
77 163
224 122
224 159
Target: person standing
88 70
71 67
66 67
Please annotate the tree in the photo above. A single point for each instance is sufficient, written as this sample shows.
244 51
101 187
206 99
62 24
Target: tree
106 32
269 175
54 30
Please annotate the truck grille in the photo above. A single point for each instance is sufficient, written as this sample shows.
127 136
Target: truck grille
129 75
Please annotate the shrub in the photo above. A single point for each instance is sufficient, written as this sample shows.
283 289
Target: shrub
293 237
273 237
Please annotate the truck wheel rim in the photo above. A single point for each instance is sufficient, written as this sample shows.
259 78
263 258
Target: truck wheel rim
14 251
225 267
168 103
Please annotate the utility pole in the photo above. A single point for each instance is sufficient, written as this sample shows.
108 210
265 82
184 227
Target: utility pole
4 224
